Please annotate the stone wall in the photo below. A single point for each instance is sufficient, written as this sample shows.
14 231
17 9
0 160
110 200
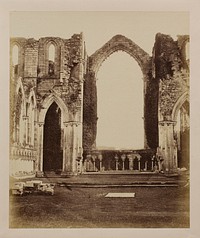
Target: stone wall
64 86
89 112
31 58
151 113
171 71
72 85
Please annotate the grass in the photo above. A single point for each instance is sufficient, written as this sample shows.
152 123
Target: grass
153 207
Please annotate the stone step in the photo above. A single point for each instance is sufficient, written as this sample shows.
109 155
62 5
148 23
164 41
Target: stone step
113 180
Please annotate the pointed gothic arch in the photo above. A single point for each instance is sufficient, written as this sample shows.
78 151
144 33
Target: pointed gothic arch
119 43
53 97
67 127
180 115
182 99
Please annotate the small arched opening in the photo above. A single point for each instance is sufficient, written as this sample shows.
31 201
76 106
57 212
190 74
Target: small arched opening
51 60
15 59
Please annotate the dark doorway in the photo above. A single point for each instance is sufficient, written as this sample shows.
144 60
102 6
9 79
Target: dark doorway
52 151
184 152
184 137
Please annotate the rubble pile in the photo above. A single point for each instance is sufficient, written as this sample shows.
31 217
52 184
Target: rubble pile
33 186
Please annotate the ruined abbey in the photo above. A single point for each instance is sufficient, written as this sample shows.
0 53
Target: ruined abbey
53 106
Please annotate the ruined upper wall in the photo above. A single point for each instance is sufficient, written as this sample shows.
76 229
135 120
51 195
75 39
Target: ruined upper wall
171 69
62 76
33 56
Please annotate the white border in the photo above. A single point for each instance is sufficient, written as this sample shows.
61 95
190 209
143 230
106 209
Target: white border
104 5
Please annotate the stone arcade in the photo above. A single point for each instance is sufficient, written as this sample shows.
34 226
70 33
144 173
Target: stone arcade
53 110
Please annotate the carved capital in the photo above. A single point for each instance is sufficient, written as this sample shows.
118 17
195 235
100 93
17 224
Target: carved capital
40 124
25 118
116 157
88 157
71 123
123 157
130 157
166 123
100 157
94 157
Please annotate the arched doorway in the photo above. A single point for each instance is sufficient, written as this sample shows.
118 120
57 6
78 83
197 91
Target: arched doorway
181 114
182 135
52 146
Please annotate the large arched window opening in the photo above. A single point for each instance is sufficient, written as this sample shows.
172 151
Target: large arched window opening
52 146
120 103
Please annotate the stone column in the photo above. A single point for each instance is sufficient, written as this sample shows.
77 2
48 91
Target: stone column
65 149
80 145
25 118
175 154
145 165
80 166
74 147
166 143
39 171
116 162
94 162
130 158
123 157
100 157
70 154
88 159
80 117
139 163
152 160
146 111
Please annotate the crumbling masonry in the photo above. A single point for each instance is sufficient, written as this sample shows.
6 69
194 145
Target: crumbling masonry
60 95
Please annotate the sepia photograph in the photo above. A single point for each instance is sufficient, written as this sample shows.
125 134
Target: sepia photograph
99 119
